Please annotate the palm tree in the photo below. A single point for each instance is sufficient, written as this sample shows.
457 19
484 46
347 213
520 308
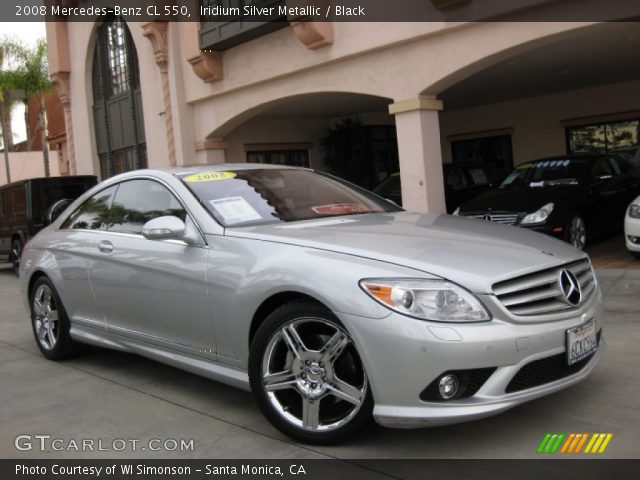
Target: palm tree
10 52
32 76
26 70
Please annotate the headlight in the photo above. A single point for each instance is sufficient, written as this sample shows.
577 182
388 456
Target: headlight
539 216
436 300
634 211
456 211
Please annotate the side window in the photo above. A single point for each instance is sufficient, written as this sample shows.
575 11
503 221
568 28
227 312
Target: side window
622 165
455 179
7 197
138 201
20 201
94 213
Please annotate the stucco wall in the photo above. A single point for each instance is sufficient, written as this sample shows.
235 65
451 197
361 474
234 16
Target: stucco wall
538 123
27 165
271 130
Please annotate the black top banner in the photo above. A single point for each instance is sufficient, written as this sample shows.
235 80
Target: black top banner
321 10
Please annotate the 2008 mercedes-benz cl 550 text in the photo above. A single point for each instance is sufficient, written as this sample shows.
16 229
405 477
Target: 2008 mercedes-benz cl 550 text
332 305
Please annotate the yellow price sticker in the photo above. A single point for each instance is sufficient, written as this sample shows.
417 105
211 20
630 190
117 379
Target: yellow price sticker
208 177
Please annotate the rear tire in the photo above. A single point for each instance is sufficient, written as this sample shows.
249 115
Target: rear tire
50 322
307 376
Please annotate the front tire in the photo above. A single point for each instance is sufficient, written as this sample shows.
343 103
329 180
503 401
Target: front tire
50 322
576 232
308 377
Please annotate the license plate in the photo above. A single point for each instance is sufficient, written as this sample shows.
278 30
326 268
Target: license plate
581 342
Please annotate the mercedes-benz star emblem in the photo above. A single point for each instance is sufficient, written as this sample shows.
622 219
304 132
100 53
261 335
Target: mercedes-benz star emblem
570 288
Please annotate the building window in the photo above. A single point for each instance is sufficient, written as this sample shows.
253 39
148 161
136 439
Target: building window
117 50
295 158
495 151
603 137
117 100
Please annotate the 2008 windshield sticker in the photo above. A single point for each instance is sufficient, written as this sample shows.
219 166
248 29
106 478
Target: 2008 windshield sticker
208 177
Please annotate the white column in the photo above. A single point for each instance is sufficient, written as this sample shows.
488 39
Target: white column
211 151
418 132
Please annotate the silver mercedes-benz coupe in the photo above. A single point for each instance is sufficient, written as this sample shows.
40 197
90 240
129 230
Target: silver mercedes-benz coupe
331 304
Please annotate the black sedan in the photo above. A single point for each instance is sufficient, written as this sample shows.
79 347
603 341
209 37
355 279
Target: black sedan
573 197
462 181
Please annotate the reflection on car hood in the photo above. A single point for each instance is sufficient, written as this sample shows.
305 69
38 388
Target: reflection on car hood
473 253
521 199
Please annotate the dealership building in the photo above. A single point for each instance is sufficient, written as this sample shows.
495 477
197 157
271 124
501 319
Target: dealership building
400 96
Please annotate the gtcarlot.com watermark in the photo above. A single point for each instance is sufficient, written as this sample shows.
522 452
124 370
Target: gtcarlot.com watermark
49 443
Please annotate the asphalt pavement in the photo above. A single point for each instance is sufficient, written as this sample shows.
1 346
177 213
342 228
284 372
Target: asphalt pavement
116 398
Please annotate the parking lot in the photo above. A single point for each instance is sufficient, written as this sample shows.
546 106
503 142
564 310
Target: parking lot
109 395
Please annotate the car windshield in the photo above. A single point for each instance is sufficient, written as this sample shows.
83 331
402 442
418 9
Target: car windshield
548 173
259 196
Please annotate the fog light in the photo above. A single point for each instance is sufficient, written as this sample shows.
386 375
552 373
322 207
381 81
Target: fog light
633 239
448 386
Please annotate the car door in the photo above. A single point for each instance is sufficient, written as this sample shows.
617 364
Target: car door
151 290
5 231
607 191
630 178
73 246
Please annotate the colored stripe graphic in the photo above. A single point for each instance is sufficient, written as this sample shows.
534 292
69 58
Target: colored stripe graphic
550 443
572 443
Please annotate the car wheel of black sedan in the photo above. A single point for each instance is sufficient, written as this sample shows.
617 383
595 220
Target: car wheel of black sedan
577 232
50 322
308 377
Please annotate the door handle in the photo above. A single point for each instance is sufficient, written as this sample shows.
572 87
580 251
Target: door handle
105 246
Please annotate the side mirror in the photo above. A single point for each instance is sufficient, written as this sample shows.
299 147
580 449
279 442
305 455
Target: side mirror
164 228
56 209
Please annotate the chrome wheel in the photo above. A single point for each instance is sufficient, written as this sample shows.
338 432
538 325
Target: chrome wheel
312 375
577 233
46 318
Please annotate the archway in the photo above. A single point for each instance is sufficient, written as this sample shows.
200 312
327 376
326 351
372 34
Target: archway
117 100
347 134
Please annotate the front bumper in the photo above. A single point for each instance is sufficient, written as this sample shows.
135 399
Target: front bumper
632 229
402 356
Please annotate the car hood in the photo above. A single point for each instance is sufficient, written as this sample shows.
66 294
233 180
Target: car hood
519 200
472 253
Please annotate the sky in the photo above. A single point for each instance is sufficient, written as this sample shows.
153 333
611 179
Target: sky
29 33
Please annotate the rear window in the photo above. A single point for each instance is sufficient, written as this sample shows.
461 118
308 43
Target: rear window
47 192
548 173
259 196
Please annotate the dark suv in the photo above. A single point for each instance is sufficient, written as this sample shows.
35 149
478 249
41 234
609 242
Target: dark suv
462 181
24 206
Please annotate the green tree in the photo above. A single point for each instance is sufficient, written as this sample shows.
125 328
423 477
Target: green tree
11 55
32 76
26 70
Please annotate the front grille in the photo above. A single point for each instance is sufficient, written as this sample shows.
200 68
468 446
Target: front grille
470 383
506 218
546 370
539 293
